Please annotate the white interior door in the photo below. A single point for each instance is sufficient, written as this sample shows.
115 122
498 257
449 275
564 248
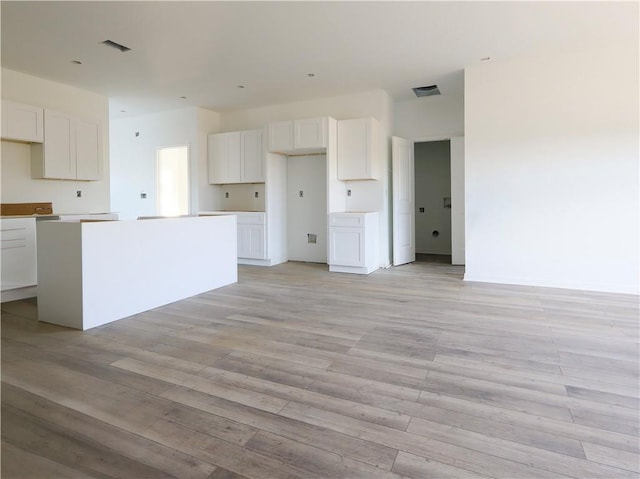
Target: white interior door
404 246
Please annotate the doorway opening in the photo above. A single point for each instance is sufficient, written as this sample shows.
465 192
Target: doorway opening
432 166
173 180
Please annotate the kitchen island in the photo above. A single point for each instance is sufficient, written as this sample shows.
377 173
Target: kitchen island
92 273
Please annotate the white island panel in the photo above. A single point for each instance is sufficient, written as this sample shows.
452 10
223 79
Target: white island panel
93 273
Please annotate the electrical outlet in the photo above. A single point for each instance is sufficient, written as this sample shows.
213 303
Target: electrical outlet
312 238
255 195
226 194
301 194
79 194
348 192
143 196
421 209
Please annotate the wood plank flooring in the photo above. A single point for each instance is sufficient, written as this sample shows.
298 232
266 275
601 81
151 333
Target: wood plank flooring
298 373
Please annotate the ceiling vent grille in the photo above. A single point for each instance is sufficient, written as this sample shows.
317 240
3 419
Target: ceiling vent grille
430 90
117 46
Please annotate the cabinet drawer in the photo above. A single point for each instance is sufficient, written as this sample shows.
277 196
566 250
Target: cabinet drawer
14 232
18 253
347 220
250 218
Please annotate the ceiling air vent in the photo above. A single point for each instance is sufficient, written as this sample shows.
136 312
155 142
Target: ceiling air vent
430 90
117 46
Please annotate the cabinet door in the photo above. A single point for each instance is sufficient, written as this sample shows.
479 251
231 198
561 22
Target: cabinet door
88 149
217 156
18 253
280 136
347 246
251 242
234 156
356 149
59 160
22 122
252 167
310 133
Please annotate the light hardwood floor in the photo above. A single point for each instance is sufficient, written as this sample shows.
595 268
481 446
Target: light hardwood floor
298 373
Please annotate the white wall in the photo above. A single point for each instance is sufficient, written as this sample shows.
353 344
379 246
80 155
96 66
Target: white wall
241 197
432 184
16 182
372 103
207 122
307 214
133 158
551 166
429 118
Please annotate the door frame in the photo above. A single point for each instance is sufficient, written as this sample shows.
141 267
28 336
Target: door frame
458 234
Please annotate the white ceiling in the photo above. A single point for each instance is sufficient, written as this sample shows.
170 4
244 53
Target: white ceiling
204 50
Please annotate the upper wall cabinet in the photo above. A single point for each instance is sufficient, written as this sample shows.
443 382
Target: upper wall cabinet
22 122
251 157
72 148
359 145
298 136
236 157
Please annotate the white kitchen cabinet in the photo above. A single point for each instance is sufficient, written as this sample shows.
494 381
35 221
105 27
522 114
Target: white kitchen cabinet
72 148
251 242
251 235
251 238
224 157
22 122
353 242
298 136
88 149
251 157
236 157
359 149
18 250
280 136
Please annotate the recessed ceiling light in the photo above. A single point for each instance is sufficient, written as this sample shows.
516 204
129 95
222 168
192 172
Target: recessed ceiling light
311 75
77 62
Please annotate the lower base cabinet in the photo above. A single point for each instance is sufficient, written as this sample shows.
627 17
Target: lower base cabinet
251 236
18 251
353 243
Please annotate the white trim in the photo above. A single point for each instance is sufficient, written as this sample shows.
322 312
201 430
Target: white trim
544 283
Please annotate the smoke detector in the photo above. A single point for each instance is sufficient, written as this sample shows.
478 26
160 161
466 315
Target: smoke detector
430 90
